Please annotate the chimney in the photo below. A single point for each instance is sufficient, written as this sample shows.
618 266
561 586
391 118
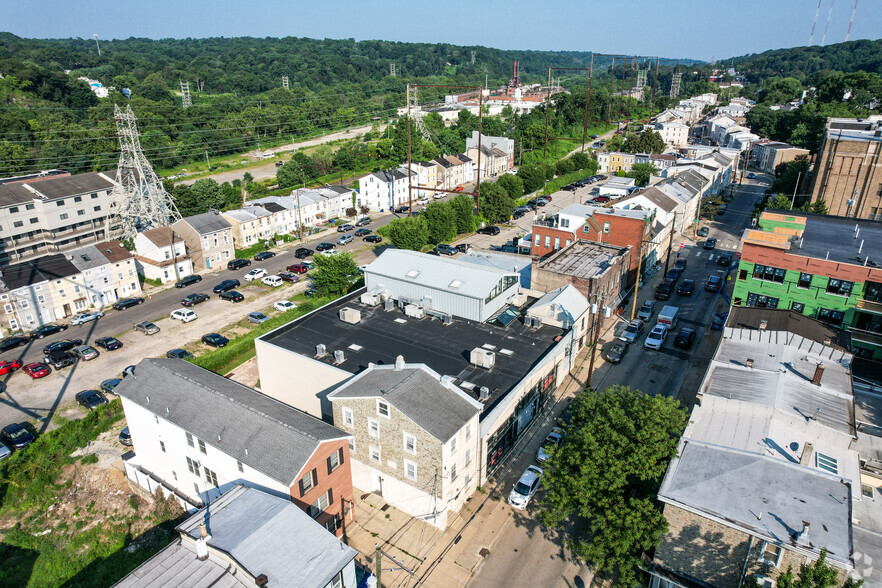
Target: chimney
764 324
819 372
806 456
202 543
749 362
802 538
399 363
261 580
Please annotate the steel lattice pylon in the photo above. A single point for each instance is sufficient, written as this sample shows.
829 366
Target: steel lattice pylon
141 201
418 117
675 84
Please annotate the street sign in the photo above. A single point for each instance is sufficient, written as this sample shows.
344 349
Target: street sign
682 245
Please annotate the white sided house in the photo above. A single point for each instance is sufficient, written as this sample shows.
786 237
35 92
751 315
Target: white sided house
161 254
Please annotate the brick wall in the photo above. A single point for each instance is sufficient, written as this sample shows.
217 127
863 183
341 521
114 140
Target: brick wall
339 482
624 232
843 167
542 250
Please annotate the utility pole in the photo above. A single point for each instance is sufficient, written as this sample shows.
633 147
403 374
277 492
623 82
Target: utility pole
587 104
378 560
637 279
547 107
409 182
670 244
480 134
654 85
630 87
793 200
596 325
186 100
611 78
175 256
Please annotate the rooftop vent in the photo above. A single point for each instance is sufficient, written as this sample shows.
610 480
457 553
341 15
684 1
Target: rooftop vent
455 284
339 356
399 363
749 362
484 393
262 580
764 324
388 304
483 358
412 274
321 350
819 373
350 315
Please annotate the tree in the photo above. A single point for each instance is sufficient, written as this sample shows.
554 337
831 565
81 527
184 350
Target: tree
580 160
532 176
788 174
513 185
289 174
607 472
463 213
333 274
496 204
564 166
641 173
207 193
779 202
819 207
409 233
647 141
440 222
811 575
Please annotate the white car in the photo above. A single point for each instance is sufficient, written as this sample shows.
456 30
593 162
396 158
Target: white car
273 281
185 315
284 305
330 252
86 317
423 200
552 442
439 195
656 337
255 274
525 488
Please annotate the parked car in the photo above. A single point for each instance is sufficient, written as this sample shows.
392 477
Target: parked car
617 352
194 299
264 255
108 343
298 268
373 239
710 243
366 220
686 288
7 367
272 281
284 305
703 231
751 175
255 274
489 230
60 359
445 249
680 264
109 386
37 370
525 488
656 337
673 273
601 199
12 342
663 291
569 188
127 303
713 283
725 259
15 436
236 264
188 281
684 338
85 352
62 345
215 340
463 247
401 209
4 451
257 318
178 354
90 399
646 311
47 330
146 327
552 442
125 437
344 228
303 253
325 246
362 232
225 286
232 296
542 201
185 315
86 317
345 239
633 331
129 370
289 277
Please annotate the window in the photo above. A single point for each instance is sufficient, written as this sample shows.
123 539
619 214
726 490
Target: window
469 425
468 456
240 466
797 307
557 243
375 454
373 428
211 477
190 440
94 196
833 317
13 210
202 446
17 224
768 273
335 460
81 212
193 466
805 280
323 502
59 203
547 241
162 446
196 487
410 470
97 208
826 463
7 308
538 240
761 301
453 445
63 216
866 491
175 475
347 417
873 290
34 220
452 472
61 293
351 445
383 408
409 443
606 227
337 582
839 287
23 303
771 554
308 482
331 526
78 198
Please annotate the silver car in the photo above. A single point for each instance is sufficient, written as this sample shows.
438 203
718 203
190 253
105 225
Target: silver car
85 352
525 488
633 331
86 317
147 328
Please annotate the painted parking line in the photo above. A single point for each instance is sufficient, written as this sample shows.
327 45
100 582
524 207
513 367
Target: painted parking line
710 257
697 254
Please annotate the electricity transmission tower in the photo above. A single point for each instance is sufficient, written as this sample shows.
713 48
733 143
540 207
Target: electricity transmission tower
141 201
285 82
641 78
418 116
185 94
473 56
675 84
392 69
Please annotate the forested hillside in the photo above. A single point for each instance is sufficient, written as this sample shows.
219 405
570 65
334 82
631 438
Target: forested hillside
802 62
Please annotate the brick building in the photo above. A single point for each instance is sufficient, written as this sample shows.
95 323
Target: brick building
209 239
848 170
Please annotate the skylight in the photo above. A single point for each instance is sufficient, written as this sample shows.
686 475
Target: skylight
412 274
456 283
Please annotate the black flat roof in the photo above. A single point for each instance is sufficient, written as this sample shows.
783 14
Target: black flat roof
383 335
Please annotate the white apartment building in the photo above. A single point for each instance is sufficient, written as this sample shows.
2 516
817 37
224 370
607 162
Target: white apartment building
161 254
674 134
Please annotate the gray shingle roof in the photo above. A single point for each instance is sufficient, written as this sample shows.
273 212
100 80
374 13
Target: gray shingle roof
417 392
87 257
279 439
73 185
207 222
49 267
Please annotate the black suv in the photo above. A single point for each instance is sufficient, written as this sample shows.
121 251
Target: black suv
47 330
194 299
12 342
127 303
62 345
303 253
663 292
189 280
238 264
60 359
225 286
725 259
488 230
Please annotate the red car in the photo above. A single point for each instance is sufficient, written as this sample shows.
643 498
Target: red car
7 367
298 268
458 189
37 370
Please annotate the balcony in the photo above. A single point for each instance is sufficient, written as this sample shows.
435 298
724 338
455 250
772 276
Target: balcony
868 337
869 306
551 222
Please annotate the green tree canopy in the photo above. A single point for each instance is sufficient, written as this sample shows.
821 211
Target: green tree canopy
333 274
532 176
789 172
289 174
512 185
409 233
440 222
496 204
463 213
641 173
647 141
607 472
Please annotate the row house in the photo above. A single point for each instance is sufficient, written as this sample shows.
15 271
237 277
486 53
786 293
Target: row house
670 115
199 435
610 162
39 291
454 170
741 140
503 145
161 254
109 272
717 126
660 161
209 239
670 218
766 155
251 225
54 212
415 436
493 161
387 189
674 134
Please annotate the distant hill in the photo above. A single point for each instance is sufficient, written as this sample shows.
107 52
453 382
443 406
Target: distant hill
801 62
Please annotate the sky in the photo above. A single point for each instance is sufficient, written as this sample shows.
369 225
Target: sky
697 29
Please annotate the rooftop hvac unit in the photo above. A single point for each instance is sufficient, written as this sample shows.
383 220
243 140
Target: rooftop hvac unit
414 311
339 356
447 320
320 350
350 315
484 393
370 299
483 358
388 304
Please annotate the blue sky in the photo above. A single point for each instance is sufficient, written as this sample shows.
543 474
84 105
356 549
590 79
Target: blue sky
698 29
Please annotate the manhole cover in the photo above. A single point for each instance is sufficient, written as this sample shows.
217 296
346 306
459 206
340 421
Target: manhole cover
484 552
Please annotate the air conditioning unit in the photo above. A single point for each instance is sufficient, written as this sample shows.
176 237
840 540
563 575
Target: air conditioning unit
321 350
339 356
484 393
350 315
388 304
369 299
483 358
414 311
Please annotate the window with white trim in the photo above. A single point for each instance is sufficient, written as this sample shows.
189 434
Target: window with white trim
410 470
211 477
323 502
383 408
453 445
468 456
373 428
469 425
351 445
771 554
866 491
193 466
190 440
347 417
827 463
409 443
375 454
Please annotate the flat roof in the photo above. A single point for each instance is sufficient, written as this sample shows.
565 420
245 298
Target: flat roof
583 259
382 335
836 236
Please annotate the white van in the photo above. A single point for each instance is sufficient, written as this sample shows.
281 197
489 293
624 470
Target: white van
274 281
667 316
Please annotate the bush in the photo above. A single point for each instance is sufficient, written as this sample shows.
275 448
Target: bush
409 233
